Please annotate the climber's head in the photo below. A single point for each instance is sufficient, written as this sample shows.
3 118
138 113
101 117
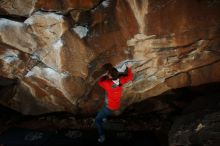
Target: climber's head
106 67
111 71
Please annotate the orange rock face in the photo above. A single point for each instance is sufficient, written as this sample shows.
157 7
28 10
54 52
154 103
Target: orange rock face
64 5
179 17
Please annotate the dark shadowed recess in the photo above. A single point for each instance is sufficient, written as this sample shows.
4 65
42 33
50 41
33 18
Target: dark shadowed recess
145 123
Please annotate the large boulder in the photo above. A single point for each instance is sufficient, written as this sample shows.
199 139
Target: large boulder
166 53
57 52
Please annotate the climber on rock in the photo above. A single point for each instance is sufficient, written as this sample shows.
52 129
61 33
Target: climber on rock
112 82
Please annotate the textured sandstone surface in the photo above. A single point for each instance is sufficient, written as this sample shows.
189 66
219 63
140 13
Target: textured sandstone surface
17 7
55 51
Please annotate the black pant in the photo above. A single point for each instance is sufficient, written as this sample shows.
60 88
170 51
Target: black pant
103 114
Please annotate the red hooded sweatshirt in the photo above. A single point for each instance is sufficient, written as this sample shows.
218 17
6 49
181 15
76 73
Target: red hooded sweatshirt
114 92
